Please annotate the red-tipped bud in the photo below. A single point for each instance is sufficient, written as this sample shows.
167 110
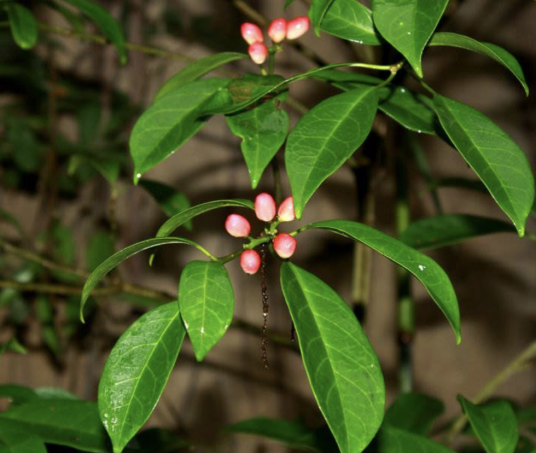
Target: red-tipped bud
237 226
286 210
250 261
277 31
298 27
251 33
265 207
258 52
284 245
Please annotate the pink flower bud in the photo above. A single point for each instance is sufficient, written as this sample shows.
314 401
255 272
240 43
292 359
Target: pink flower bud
237 226
265 207
258 52
251 33
286 210
250 261
298 27
277 31
284 245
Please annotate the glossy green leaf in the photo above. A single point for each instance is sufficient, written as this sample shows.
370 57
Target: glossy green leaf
408 24
99 249
98 274
346 80
17 439
55 393
495 424
73 424
450 229
137 371
196 70
23 25
414 412
394 440
493 155
341 365
492 51
180 219
263 130
17 394
318 11
107 24
424 268
293 434
351 20
206 301
325 137
170 201
170 122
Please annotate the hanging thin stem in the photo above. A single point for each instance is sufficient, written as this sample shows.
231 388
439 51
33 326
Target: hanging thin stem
265 309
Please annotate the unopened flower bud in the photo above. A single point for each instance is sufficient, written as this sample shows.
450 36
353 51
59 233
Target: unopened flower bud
286 210
298 27
284 245
258 52
250 261
237 226
277 31
265 207
251 33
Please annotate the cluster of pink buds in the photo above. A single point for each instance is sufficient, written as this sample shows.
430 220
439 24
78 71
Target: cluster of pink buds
265 210
278 31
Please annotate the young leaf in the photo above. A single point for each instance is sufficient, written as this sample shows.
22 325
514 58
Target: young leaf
137 371
351 20
98 274
414 412
495 424
394 440
497 53
180 219
318 11
424 268
196 70
408 25
325 138
18 440
493 155
73 424
23 25
263 131
170 122
170 201
206 301
341 365
108 25
450 229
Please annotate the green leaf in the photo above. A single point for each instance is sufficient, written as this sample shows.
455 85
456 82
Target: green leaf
424 268
263 130
18 440
23 25
495 424
17 394
394 440
325 137
450 229
317 12
341 365
55 393
293 434
73 424
351 20
170 201
493 155
98 274
8 218
408 24
170 122
196 70
100 248
206 301
137 371
180 219
414 412
12 345
26 151
492 51
108 25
